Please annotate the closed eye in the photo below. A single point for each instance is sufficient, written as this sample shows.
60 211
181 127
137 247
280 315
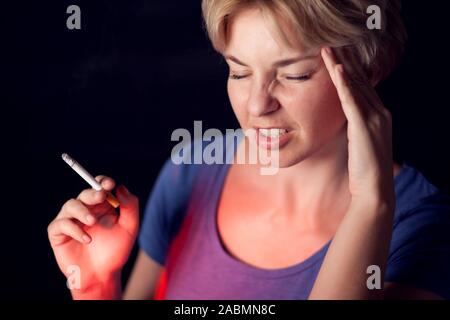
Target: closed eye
299 78
236 76
304 77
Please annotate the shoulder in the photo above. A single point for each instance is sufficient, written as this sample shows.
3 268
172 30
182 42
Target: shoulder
179 185
420 248
420 204
413 190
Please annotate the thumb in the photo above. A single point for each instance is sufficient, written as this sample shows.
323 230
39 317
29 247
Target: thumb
129 210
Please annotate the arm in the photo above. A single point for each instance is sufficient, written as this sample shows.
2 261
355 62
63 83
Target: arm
143 279
100 262
109 289
88 234
362 240
364 235
141 285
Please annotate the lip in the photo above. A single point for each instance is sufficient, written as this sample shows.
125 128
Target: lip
271 143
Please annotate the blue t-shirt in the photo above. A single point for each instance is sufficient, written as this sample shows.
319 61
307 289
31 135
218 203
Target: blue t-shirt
179 231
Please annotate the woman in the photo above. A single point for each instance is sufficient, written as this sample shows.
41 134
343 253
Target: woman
338 211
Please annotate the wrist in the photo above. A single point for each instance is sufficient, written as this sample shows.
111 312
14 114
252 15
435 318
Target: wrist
379 205
109 288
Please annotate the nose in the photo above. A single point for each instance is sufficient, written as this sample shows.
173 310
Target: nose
261 100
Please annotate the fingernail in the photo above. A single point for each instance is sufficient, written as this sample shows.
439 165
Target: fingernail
86 238
125 190
328 50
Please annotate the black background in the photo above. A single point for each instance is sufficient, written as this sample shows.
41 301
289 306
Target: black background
111 94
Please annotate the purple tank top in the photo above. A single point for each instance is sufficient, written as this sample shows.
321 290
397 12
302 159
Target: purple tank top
179 231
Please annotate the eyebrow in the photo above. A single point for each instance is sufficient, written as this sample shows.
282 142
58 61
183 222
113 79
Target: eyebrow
279 63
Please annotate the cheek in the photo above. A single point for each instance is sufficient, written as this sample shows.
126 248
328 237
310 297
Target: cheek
314 105
237 96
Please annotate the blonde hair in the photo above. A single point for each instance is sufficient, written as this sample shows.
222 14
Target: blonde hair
341 24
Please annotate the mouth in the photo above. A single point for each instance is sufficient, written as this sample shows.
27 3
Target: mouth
272 132
271 138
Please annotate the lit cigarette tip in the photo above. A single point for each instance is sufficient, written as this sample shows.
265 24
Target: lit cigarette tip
112 200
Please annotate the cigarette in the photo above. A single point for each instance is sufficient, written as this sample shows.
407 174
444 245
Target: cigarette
89 179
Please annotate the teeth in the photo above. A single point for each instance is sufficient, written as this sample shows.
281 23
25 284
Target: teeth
272 133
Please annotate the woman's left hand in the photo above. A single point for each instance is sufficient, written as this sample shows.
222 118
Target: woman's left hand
369 133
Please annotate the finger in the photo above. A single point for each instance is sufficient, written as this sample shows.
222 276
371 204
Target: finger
107 183
344 92
92 196
129 210
75 209
62 230
101 209
371 97
330 63
371 102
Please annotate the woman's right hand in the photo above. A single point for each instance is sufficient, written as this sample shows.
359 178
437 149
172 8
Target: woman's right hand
88 235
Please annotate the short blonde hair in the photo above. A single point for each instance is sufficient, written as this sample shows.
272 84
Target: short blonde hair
341 24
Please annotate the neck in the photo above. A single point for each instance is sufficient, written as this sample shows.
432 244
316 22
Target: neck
316 189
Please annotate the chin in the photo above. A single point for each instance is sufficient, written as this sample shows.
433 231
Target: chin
291 156
287 162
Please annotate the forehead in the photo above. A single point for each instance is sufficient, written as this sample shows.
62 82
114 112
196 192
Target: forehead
250 31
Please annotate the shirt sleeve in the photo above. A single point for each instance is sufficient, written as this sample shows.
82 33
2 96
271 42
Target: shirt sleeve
420 247
165 210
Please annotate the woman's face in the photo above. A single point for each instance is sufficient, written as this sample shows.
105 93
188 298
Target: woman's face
273 85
